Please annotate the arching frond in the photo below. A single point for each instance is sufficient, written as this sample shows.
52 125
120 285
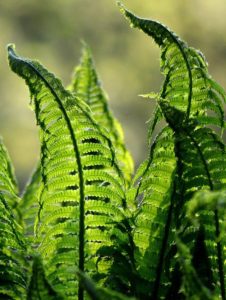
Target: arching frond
82 196
188 86
87 86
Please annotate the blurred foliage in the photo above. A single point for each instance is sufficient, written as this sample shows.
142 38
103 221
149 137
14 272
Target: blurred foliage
128 62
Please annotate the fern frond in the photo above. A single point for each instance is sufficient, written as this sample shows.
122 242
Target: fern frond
154 194
201 155
13 277
29 205
202 202
188 86
39 287
81 197
8 184
87 86
192 287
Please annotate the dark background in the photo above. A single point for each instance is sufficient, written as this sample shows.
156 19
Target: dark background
126 59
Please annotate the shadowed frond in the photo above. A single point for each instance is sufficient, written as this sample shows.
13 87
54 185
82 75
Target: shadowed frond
202 202
201 155
100 293
87 86
82 196
39 287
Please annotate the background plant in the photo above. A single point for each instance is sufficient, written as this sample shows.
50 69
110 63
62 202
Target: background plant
159 235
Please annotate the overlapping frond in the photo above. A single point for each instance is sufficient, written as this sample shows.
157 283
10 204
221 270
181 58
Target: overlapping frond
82 194
87 86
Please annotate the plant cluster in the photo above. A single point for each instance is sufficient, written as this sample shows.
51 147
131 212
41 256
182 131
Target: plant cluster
86 227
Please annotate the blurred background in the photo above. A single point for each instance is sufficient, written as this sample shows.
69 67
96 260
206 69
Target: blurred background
127 60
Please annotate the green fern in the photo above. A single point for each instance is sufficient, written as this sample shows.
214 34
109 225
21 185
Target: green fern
82 195
159 235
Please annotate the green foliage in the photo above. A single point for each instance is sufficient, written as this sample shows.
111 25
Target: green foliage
158 234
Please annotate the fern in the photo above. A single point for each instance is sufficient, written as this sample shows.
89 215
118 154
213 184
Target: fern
80 179
90 230
13 249
190 93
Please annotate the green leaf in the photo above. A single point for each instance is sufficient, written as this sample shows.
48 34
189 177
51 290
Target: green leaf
87 86
81 196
